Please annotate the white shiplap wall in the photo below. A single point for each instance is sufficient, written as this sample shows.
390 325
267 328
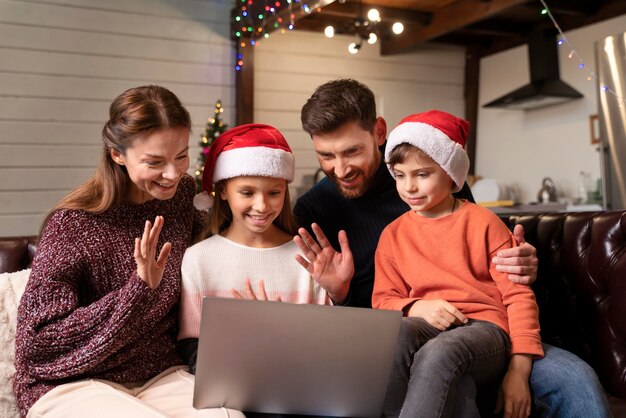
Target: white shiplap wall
61 64
288 67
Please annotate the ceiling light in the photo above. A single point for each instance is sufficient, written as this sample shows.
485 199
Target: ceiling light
397 28
373 15
354 47
329 31
366 26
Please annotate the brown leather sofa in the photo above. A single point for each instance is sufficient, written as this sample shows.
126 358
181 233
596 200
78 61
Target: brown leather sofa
16 253
581 287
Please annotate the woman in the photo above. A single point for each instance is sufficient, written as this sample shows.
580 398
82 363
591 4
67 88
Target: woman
97 323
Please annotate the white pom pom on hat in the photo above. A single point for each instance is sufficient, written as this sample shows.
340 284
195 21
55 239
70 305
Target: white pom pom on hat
203 201
247 150
441 136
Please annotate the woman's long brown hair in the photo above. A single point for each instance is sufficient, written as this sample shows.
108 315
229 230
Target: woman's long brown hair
134 114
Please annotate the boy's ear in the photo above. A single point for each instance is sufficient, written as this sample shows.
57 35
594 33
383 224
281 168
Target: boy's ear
452 185
117 156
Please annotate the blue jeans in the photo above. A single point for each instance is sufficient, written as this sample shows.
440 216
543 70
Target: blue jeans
562 386
565 386
429 363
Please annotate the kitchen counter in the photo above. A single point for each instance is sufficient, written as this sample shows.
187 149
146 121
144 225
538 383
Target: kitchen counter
543 207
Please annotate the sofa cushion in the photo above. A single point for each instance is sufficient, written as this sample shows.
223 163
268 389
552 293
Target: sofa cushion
11 288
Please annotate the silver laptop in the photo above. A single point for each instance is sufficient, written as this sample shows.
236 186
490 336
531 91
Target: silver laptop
275 357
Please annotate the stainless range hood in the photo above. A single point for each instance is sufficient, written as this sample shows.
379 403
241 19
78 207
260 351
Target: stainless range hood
545 87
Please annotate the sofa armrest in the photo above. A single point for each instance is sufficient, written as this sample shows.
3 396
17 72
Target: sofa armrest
16 253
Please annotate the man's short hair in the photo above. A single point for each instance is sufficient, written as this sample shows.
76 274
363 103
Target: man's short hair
337 102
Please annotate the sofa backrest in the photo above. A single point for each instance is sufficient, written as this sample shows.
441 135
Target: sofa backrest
581 287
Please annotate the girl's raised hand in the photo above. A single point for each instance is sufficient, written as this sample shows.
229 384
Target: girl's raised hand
149 267
331 269
250 294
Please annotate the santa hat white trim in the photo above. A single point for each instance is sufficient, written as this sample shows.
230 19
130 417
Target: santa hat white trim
254 161
449 154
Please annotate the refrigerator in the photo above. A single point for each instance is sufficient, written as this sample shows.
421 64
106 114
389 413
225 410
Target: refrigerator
611 76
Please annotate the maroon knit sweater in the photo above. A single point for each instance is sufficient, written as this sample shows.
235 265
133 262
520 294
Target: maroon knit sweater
85 312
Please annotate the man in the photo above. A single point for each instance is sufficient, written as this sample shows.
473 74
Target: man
358 199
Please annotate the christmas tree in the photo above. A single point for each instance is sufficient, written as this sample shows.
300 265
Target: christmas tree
214 128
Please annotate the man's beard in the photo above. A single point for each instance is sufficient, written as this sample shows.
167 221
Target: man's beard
366 177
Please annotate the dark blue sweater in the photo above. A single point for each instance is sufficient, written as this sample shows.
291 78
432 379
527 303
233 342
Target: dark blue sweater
363 219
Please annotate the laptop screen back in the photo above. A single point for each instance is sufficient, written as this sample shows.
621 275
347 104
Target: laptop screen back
275 357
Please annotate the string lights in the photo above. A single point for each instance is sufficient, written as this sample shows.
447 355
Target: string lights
366 29
254 22
255 19
574 55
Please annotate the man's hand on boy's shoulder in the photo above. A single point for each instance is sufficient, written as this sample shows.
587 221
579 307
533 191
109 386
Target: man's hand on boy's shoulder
520 262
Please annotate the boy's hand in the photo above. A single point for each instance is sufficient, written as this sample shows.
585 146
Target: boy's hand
438 313
514 393
520 262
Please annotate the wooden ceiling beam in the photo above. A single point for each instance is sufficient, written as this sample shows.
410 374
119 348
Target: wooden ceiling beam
488 32
317 24
352 10
568 12
608 10
580 8
446 19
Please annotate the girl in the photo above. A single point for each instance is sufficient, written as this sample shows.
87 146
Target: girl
248 168
97 323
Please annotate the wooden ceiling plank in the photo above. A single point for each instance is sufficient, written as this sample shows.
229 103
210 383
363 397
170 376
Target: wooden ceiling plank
487 32
351 10
445 20
607 10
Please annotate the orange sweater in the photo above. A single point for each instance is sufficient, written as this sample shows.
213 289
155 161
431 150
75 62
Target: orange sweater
449 258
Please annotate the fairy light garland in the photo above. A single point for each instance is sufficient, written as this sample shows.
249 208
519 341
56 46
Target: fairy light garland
253 25
591 75
250 27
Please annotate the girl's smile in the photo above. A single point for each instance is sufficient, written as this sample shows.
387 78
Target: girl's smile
255 202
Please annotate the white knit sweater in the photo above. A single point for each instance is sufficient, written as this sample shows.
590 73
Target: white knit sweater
215 266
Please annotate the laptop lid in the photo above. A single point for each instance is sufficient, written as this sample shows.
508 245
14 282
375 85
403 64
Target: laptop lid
284 358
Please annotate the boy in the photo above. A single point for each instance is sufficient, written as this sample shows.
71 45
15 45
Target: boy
461 310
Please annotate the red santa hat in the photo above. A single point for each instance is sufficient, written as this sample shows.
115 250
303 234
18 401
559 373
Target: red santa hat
441 136
247 150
